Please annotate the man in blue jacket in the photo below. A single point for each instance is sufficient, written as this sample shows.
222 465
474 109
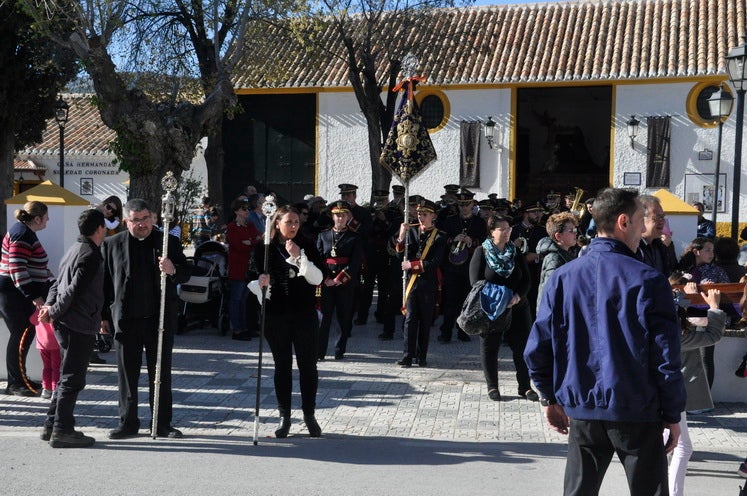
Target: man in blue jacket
604 354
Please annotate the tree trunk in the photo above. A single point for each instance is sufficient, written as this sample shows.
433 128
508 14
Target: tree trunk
380 176
214 158
7 149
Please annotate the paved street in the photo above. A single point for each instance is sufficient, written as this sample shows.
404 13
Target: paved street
387 430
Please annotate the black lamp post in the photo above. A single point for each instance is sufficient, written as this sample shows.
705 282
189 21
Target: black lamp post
720 104
736 64
490 131
60 115
633 127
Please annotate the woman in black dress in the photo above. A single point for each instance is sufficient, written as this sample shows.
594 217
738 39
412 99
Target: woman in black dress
292 323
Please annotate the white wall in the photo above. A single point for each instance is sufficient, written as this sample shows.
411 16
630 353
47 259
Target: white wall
102 171
342 146
687 139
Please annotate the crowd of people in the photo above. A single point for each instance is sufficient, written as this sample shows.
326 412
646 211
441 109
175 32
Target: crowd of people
545 265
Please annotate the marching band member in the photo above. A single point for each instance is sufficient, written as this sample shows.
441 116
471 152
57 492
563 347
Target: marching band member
426 249
342 251
464 233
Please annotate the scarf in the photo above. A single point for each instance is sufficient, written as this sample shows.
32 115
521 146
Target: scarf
502 263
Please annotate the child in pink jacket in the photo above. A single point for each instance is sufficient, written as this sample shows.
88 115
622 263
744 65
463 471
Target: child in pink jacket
49 349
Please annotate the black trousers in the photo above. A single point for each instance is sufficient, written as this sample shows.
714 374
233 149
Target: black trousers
420 307
516 337
341 299
490 344
75 349
709 363
16 309
134 336
392 302
286 333
455 289
639 445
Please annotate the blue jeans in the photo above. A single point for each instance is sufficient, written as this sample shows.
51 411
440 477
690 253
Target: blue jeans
237 309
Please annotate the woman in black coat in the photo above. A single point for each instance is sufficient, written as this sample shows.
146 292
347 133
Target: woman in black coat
499 262
292 322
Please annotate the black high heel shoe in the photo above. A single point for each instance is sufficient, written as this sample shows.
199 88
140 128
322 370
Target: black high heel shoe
312 425
283 427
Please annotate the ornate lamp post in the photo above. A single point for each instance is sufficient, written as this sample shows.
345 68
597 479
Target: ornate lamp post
633 127
489 128
720 104
60 116
736 64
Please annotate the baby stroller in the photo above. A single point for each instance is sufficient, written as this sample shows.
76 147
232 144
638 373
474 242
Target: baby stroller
205 293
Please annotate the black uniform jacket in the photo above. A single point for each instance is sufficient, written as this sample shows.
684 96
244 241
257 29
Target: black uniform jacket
348 253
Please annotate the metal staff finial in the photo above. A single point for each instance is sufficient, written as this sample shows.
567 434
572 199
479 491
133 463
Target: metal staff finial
269 207
409 65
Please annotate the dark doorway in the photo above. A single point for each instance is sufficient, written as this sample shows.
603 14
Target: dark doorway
270 144
563 140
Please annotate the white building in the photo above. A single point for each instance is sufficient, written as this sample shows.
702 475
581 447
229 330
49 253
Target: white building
91 169
561 80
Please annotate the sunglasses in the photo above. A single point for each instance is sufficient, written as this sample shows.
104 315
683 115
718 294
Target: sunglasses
109 208
245 209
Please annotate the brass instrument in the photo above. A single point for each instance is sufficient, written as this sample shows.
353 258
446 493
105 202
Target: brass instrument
459 254
576 202
522 244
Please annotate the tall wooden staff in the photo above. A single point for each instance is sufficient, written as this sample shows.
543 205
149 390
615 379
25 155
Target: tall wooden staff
408 148
169 184
268 209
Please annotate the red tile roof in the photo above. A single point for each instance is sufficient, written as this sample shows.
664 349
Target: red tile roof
85 134
26 165
587 40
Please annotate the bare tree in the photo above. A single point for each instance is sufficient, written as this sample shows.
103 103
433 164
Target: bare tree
370 37
157 127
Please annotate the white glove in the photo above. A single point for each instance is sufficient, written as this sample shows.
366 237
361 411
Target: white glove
254 288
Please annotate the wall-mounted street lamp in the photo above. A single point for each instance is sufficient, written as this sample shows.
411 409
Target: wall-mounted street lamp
489 128
720 104
634 126
61 109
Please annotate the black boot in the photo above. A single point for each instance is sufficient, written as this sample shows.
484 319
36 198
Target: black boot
312 425
284 426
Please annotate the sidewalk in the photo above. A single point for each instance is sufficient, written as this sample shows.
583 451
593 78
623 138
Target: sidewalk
387 430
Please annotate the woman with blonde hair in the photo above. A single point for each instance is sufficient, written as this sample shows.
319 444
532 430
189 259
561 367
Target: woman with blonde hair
24 283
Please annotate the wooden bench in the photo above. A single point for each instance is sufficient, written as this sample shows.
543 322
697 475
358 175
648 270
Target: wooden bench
731 293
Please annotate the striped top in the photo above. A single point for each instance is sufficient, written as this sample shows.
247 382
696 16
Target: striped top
24 261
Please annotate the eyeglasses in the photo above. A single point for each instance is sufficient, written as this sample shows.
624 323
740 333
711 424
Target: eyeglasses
573 230
142 220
